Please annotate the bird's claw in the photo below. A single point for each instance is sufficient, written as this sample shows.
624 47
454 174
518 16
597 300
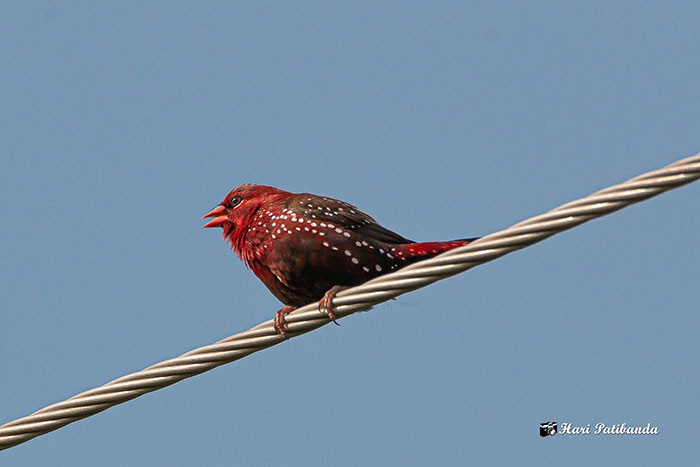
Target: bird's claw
280 322
325 306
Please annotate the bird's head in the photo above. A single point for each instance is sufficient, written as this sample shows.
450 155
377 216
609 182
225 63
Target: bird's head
235 213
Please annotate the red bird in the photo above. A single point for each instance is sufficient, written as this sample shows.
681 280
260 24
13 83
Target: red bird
307 248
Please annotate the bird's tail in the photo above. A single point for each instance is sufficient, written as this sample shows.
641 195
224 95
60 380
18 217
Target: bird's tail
416 251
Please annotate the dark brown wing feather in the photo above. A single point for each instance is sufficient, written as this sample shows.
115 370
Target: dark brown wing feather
378 232
342 214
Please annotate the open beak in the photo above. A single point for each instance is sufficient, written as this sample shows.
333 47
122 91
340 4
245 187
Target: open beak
219 217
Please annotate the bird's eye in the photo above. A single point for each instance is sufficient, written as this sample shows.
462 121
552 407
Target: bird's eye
235 201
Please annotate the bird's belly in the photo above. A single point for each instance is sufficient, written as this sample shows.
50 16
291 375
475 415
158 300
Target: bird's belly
304 267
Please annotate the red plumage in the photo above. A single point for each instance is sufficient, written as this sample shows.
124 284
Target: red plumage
301 245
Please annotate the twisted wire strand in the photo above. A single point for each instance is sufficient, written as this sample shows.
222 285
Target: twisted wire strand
362 297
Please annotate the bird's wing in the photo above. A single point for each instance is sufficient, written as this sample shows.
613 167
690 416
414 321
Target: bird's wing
343 215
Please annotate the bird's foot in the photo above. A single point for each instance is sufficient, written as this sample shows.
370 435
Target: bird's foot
280 323
325 306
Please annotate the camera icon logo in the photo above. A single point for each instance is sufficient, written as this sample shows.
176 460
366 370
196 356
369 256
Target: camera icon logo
548 429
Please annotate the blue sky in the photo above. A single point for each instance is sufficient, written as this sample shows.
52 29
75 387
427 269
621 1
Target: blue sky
122 123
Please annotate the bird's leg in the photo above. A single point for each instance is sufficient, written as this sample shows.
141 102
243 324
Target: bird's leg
326 304
280 323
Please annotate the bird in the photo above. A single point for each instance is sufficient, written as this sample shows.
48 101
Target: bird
307 248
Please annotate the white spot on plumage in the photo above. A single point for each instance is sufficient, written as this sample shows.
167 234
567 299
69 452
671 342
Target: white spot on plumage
325 244
346 234
334 248
381 250
339 230
355 260
306 229
365 268
378 268
347 252
313 224
358 243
